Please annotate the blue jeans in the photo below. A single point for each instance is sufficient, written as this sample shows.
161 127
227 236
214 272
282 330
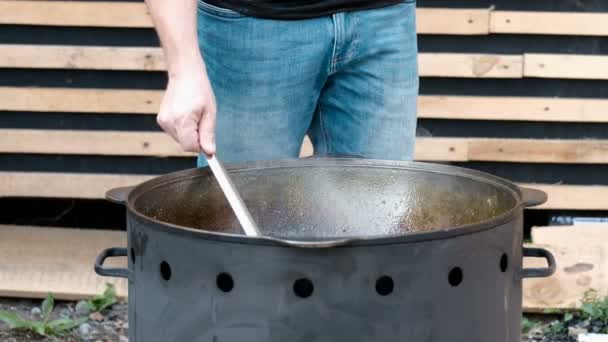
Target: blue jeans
349 81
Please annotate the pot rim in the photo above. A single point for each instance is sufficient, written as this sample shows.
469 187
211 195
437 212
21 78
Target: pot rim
450 232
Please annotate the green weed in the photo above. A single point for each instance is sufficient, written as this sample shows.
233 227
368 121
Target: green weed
45 326
103 301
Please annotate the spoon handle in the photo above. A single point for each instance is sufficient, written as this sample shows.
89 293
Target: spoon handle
235 200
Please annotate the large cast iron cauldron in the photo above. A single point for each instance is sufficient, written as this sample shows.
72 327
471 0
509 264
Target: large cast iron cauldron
354 250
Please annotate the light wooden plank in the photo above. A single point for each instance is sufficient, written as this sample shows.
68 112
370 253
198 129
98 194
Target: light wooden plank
74 13
580 234
513 108
57 260
130 14
81 57
470 65
118 143
429 107
549 23
80 100
453 21
566 66
539 151
63 185
573 197
565 288
159 144
581 254
152 59
441 149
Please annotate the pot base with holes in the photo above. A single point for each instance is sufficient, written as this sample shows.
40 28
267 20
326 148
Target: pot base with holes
466 288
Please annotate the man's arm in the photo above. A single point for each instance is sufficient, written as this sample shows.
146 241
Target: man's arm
188 108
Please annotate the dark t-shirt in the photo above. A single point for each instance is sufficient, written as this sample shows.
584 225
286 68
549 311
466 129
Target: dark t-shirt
297 9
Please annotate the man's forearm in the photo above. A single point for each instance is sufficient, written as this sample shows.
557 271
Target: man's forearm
175 23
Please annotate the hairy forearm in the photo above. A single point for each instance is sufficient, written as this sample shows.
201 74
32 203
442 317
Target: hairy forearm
175 23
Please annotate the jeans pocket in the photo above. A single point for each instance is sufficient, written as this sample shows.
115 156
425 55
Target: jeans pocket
218 11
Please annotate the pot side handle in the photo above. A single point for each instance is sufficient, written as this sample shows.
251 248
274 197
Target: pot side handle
119 195
533 197
111 272
538 272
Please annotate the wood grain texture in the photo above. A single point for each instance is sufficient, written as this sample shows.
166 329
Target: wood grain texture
581 254
453 21
159 144
39 260
119 101
63 185
130 14
549 23
75 13
513 108
470 65
80 100
573 197
152 59
81 57
566 66
538 151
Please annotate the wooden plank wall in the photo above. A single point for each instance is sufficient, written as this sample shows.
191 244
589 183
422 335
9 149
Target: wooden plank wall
514 88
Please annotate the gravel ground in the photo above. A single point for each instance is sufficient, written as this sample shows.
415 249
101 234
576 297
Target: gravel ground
108 326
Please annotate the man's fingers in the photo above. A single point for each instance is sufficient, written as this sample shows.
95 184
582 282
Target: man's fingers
188 134
206 132
164 118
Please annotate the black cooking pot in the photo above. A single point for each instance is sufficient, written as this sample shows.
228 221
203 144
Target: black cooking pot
353 250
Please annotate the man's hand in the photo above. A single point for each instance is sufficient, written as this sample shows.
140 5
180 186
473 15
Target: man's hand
188 108
188 111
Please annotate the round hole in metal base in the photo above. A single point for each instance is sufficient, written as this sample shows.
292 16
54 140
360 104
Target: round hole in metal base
224 282
385 285
455 276
303 288
504 263
165 270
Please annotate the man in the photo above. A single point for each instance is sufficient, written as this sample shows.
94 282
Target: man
256 76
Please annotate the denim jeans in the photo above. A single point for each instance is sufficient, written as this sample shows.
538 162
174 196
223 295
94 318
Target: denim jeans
349 81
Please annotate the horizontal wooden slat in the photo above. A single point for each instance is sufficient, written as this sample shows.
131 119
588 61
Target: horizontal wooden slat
513 108
573 197
130 14
151 59
470 65
81 57
162 145
550 23
75 13
79 185
427 149
59 185
538 151
80 100
566 66
453 21
430 107
56 260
